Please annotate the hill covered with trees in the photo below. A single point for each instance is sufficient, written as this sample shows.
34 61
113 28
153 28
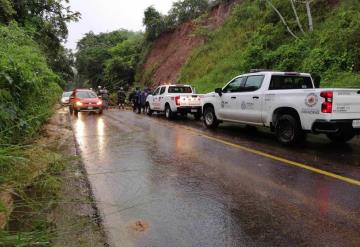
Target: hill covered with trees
315 36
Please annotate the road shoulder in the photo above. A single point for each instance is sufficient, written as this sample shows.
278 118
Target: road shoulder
76 216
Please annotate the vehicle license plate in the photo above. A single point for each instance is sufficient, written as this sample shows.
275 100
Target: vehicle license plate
194 110
356 124
90 108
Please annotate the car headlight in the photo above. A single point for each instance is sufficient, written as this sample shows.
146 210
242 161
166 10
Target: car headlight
99 102
79 103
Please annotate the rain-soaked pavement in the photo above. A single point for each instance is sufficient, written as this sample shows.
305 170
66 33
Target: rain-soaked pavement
160 183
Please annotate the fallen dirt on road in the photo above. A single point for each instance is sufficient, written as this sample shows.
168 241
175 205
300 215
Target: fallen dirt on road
139 226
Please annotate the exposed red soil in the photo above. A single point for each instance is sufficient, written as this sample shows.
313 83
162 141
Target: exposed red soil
172 49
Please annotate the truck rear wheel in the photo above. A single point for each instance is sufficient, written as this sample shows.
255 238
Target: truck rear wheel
168 112
210 119
341 136
288 130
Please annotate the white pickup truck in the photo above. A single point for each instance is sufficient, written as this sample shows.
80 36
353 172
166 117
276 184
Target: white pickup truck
288 103
174 99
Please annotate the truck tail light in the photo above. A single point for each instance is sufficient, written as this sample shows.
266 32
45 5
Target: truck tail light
327 106
177 100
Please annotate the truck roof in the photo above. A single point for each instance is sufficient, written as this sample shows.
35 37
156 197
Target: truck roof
174 85
266 72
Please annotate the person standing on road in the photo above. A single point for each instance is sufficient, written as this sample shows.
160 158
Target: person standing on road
132 99
143 99
105 97
137 104
121 98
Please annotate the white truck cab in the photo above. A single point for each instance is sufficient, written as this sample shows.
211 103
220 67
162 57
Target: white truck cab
287 102
174 99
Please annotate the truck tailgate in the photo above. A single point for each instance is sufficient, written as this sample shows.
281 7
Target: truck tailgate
346 104
190 101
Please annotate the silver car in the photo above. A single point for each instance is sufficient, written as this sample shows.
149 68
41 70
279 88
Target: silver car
65 98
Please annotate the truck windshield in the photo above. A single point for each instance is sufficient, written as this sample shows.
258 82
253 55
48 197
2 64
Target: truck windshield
283 82
180 89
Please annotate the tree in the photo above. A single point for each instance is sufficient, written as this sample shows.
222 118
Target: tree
120 69
282 19
296 16
95 53
308 12
181 11
6 11
63 65
154 23
47 21
185 10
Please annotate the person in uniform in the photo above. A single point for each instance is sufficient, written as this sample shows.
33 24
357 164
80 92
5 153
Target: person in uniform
137 100
121 96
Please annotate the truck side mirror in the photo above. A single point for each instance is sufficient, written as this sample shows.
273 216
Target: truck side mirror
219 91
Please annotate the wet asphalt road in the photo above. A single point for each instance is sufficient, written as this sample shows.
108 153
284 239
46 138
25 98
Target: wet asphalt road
160 183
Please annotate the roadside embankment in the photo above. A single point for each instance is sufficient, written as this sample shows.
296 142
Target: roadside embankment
45 198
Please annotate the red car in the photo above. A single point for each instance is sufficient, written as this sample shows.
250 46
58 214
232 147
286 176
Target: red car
85 100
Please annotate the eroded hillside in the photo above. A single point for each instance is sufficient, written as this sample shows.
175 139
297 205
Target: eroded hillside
172 49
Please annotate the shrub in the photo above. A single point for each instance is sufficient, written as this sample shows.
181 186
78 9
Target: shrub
28 88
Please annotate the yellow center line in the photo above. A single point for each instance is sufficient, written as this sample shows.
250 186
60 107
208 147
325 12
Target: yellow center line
282 160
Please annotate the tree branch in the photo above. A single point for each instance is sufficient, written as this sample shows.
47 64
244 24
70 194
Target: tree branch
296 16
282 19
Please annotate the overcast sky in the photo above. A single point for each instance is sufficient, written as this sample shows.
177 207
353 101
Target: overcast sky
108 15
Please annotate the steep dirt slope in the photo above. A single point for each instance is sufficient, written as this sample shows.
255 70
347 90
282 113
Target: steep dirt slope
172 49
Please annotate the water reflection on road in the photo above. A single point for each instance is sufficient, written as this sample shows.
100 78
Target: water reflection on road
158 186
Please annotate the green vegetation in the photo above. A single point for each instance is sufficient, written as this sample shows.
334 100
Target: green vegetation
32 175
181 11
33 63
28 87
109 59
255 37
47 23
33 66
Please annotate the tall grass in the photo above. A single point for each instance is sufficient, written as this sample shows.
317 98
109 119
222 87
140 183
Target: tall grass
32 173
